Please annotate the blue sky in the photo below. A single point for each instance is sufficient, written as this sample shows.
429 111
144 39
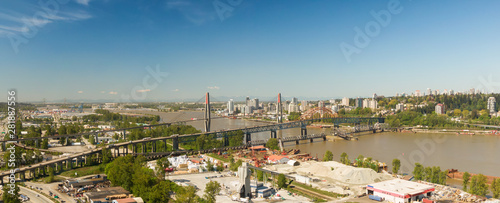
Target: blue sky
110 49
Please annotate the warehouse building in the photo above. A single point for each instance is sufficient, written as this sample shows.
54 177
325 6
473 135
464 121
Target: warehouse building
399 191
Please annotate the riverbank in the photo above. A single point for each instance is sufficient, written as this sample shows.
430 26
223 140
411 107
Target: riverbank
449 131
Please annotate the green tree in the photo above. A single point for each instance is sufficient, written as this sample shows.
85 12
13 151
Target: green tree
236 139
436 172
260 175
50 178
210 166
161 164
62 141
233 166
45 144
160 192
62 130
272 144
186 195
121 171
418 171
466 179
92 140
457 112
495 188
11 196
360 160
211 190
281 181
478 185
106 156
345 159
328 156
465 113
443 177
294 116
143 180
428 174
396 165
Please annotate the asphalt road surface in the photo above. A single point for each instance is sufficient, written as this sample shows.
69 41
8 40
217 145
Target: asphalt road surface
33 198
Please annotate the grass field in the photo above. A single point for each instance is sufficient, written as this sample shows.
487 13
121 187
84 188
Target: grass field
90 170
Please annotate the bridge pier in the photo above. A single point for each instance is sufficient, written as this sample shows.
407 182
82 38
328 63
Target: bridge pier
166 146
22 176
126 149
175 143
96 136
226 140
124 134
303 131
296 142
117 151
248 137
273 134
143 148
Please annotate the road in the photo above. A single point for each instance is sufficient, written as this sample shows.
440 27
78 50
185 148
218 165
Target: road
33 196
53 188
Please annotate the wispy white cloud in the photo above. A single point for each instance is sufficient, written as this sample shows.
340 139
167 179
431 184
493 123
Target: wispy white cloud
176 90
145 90
102 92
83 2
12 28
214 88
113 92
19 23
80 92
195 12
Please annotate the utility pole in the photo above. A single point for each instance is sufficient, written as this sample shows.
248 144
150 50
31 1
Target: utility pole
207 112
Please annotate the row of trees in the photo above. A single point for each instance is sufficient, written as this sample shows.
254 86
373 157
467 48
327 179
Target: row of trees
413 118
106 115
361 161
477 185
430 174
22 157
294 116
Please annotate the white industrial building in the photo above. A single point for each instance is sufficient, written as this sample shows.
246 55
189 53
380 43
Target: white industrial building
400 191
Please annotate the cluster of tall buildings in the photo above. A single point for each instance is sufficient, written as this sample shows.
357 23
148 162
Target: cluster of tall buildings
294 105
429 91
366 103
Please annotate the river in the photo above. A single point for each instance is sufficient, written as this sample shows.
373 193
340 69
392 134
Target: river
472 153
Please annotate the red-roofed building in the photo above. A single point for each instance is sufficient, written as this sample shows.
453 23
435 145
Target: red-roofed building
278 159
129 200
258 148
